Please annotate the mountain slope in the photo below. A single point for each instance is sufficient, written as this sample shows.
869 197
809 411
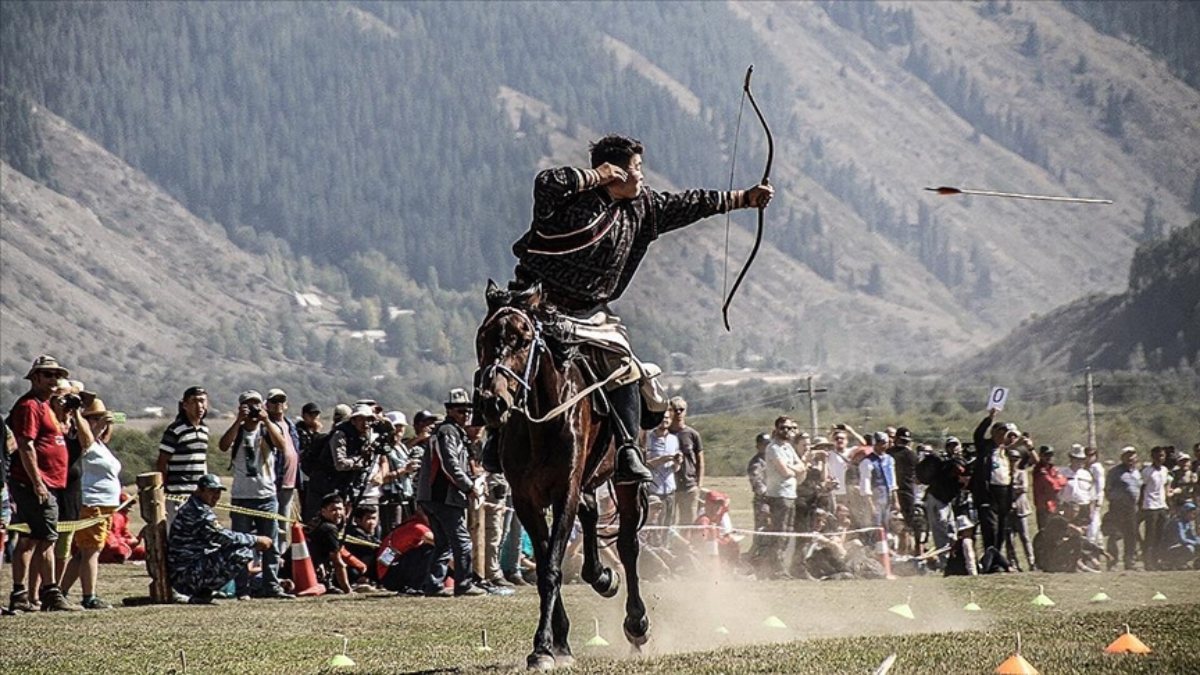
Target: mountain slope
396 142
1154 325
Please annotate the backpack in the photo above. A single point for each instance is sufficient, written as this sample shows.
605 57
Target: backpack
316 457
929 468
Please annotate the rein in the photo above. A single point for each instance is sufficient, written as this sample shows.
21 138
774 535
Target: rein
520 405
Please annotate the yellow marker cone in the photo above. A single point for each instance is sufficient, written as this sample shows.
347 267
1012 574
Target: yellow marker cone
721 630
904 610
1042 600
1016 664
1127 644
1100 597
1159 596
773 622
596 641
484 646
341 660
971 606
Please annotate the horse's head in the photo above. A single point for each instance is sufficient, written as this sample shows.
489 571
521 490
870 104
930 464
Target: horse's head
506 346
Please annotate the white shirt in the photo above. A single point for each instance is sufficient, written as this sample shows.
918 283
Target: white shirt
1154 483
1097 470
1080 487
779 484
101 476
837 464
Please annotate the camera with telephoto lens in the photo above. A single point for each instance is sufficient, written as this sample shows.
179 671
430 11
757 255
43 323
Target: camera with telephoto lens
72 402
253 412
385 436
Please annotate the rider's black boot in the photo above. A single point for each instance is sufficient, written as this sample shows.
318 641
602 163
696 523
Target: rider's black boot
489 456
630 467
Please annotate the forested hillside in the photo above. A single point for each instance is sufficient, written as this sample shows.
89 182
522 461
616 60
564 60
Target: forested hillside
381 154
1153 326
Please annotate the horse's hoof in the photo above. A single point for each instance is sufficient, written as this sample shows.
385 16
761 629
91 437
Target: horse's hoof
539 662
637 632
609 588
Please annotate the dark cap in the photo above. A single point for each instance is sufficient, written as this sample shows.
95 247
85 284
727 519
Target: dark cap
210 481
311 408
194 391
903 434
1046 450
762 438
424 417
330 498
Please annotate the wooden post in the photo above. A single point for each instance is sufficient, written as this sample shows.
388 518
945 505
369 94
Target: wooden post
476 520
154 512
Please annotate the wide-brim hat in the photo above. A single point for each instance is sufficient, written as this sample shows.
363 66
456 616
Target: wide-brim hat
362 411
96 409
1077 452
458 398
820 442
47 362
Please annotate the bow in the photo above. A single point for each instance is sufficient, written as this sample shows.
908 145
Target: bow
766 180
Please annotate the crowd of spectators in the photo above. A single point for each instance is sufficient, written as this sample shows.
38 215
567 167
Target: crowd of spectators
964 509
412 511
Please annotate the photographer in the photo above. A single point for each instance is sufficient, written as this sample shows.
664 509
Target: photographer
252 442
342 460
992 483
395 469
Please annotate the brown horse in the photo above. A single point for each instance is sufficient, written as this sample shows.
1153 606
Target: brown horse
556 448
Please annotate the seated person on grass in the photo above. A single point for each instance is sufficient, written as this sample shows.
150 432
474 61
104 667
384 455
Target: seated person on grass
404 555
202 556
323 533
1181 545
360 558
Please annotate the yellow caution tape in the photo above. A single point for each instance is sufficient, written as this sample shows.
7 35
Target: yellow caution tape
270 515
72 525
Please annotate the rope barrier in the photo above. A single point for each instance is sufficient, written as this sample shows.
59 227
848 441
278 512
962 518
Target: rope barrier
268 515
74 525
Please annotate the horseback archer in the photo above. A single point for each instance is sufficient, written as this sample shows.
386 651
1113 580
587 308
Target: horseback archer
591 229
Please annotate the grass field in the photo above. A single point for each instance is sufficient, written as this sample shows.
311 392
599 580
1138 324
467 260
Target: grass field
832 627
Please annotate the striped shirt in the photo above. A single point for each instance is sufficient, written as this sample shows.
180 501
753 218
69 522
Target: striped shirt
188 447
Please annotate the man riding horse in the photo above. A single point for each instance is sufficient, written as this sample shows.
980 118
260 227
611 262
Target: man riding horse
590 230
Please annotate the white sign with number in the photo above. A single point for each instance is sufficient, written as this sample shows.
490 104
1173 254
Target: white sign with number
997 398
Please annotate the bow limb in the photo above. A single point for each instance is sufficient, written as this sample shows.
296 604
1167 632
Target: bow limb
766 180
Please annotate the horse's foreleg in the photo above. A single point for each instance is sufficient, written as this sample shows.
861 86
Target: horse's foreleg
603 580
534 521
560 531
629 507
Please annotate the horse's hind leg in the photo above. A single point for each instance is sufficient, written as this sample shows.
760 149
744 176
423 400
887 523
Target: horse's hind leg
629 507
603 580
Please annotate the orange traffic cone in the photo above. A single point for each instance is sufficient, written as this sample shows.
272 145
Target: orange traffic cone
1127 644
1016 664
303 574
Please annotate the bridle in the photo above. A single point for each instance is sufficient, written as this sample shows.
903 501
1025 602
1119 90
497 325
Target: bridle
535 346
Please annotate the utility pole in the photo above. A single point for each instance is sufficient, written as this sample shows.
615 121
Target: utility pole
1090 409
812 402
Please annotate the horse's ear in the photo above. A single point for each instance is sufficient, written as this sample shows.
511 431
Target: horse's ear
535 296
496 296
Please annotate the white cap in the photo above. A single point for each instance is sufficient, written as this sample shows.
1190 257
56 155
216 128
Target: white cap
397 418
